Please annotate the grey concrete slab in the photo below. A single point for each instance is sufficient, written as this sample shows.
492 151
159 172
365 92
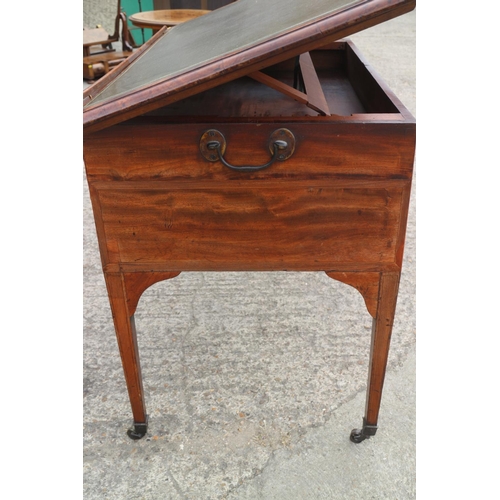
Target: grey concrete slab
253 381
321 466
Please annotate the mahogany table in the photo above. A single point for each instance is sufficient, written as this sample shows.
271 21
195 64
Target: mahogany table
156 19
276 147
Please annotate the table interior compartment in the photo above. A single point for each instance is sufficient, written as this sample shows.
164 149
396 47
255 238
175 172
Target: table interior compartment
348 85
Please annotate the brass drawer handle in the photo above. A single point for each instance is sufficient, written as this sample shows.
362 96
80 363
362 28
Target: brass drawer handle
281 146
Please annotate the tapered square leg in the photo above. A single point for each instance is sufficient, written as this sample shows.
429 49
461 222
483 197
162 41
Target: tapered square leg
381 337
124 291
129 352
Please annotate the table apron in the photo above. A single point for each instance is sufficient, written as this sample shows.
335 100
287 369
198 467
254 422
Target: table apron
252 226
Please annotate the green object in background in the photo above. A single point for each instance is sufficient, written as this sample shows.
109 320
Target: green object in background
131 7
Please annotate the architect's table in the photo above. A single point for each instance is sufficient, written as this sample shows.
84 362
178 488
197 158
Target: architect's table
208 170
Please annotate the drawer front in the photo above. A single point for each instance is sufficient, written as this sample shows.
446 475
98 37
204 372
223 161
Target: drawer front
141 151
252 226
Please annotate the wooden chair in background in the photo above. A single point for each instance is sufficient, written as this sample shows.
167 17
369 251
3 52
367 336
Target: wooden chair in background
99 55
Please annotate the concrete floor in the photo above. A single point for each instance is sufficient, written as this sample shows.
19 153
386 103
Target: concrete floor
254 380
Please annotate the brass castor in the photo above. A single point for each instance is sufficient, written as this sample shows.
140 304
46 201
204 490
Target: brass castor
359 435
138 430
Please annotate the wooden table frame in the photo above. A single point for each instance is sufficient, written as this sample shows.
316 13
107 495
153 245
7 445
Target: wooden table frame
126 280
358 165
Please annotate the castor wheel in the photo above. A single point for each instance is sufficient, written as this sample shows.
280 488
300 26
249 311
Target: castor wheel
357 436
138 430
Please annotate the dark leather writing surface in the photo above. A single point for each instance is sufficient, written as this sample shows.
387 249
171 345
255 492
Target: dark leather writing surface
232 29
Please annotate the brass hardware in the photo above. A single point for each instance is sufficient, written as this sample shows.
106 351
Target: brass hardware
211 136
281 146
